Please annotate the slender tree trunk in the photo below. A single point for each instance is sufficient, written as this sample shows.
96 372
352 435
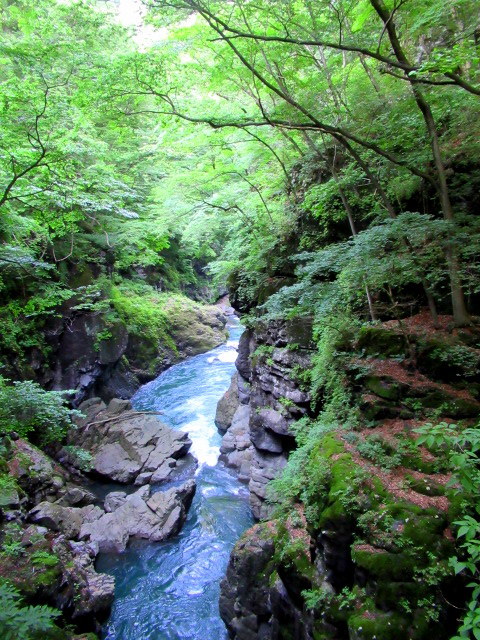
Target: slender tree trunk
460 313
353 228
393 214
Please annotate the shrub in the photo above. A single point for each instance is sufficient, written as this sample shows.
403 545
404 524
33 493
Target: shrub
463 450
25 623
29 410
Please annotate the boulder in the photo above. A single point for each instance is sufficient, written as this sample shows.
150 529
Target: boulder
66 520
236 449
152 517
244 592
86 594
227 406
127 446
75 496
117 405
35 472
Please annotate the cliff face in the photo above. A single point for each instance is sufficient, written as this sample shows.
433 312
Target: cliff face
356 541
265 397
96 355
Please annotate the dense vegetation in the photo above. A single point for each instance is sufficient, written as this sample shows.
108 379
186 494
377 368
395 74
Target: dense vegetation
315 157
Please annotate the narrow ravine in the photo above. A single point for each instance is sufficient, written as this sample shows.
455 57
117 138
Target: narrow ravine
169 591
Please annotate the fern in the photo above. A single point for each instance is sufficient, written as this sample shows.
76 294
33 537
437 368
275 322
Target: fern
23 623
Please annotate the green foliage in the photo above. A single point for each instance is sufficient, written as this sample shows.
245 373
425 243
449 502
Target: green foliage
462 447
142 310
380 452
44 558
24 622
29 410
83 459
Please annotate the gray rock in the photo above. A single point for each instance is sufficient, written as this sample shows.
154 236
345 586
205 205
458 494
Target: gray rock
236 449
245 348
243 389
274 421
264 467
117 405
76 496
127 446
140 515
66 520
115 463
113 500
143 478
86 594
227 406
33 534
9 499
265 441
164 471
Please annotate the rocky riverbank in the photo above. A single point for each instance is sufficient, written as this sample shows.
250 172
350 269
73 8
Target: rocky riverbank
55 521
356 545
264 399
111 352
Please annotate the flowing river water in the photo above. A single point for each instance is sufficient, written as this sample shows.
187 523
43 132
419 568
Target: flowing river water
170 590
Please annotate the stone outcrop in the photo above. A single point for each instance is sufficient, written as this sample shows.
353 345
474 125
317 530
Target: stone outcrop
127 446
380 512
260 598
153 517
94 356
227 406
88 595
236 449
50 512
264 399
66 520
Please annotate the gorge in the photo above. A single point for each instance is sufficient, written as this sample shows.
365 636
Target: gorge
239 320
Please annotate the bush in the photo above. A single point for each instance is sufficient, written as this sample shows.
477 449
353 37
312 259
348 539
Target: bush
23 623
30 411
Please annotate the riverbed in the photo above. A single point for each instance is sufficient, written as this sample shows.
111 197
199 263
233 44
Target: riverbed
170 590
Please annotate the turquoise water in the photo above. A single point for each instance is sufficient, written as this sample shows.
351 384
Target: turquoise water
169 590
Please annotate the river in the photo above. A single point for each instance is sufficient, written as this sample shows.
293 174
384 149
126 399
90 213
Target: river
170 590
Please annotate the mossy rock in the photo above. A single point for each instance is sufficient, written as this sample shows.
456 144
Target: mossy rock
384 565
271 286
28 573
447 362
388 594
425 486
426 531
386 344
383 387
377 625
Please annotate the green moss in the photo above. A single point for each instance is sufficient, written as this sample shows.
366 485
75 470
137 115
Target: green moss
385 565
427 487
377 625
425 531
142 310
381 388
376 341
388 594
